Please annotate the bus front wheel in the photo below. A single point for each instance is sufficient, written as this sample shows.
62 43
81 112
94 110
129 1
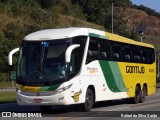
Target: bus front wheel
136 98
88 104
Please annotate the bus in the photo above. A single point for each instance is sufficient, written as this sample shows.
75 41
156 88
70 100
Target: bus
69 66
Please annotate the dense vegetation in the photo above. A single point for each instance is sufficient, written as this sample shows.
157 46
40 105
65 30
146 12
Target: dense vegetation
21 17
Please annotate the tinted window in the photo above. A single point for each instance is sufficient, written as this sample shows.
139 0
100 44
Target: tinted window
151 56
117 52
127 56
145 55
106 50
93 50
77 54
136 54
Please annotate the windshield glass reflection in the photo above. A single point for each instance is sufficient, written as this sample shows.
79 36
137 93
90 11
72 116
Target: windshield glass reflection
42 62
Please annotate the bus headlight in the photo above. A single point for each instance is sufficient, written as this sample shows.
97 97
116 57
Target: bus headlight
63 88
18 89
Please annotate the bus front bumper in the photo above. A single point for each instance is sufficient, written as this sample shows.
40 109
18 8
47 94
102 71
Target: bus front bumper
57 99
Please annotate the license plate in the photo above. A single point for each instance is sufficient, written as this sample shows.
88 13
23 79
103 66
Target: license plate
38 100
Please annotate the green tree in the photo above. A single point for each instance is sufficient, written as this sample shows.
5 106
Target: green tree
119 25
48 3
122 3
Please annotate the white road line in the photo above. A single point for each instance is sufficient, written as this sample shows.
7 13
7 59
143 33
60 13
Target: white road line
137 105
117 109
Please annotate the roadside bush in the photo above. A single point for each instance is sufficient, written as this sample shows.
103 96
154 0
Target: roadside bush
4 77
2 35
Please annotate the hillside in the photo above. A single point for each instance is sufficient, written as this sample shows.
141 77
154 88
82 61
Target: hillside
21 17
133 17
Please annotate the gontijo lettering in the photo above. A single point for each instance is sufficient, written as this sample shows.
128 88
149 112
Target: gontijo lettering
135 69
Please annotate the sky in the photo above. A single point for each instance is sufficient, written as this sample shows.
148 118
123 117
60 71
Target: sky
153 4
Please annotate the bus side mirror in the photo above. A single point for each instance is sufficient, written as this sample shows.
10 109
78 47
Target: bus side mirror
69 51
11 54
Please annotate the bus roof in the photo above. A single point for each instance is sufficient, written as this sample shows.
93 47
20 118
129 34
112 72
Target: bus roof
62 33
118 38
54 34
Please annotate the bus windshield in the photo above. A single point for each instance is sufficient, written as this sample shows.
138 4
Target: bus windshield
42 63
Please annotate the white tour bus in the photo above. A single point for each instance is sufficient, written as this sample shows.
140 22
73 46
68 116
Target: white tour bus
81 66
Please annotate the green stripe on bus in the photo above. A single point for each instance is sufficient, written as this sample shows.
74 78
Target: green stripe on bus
109 76
98 36
43 88
117 76
113 76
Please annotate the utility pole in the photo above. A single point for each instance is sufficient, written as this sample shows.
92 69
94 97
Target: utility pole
112 16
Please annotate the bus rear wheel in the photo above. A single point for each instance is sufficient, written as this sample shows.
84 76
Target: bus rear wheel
87 106
143 94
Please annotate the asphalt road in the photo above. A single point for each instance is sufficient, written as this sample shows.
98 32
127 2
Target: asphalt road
113 110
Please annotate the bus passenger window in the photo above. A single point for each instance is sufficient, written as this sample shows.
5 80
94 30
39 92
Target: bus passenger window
127 57
92 55
116 56
117 52
105 50
77 55
127 53
137 58
104 55
151 56
144 56
137 54
93 51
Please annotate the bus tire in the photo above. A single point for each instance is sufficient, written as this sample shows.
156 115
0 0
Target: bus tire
136 98
143 94
88 104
